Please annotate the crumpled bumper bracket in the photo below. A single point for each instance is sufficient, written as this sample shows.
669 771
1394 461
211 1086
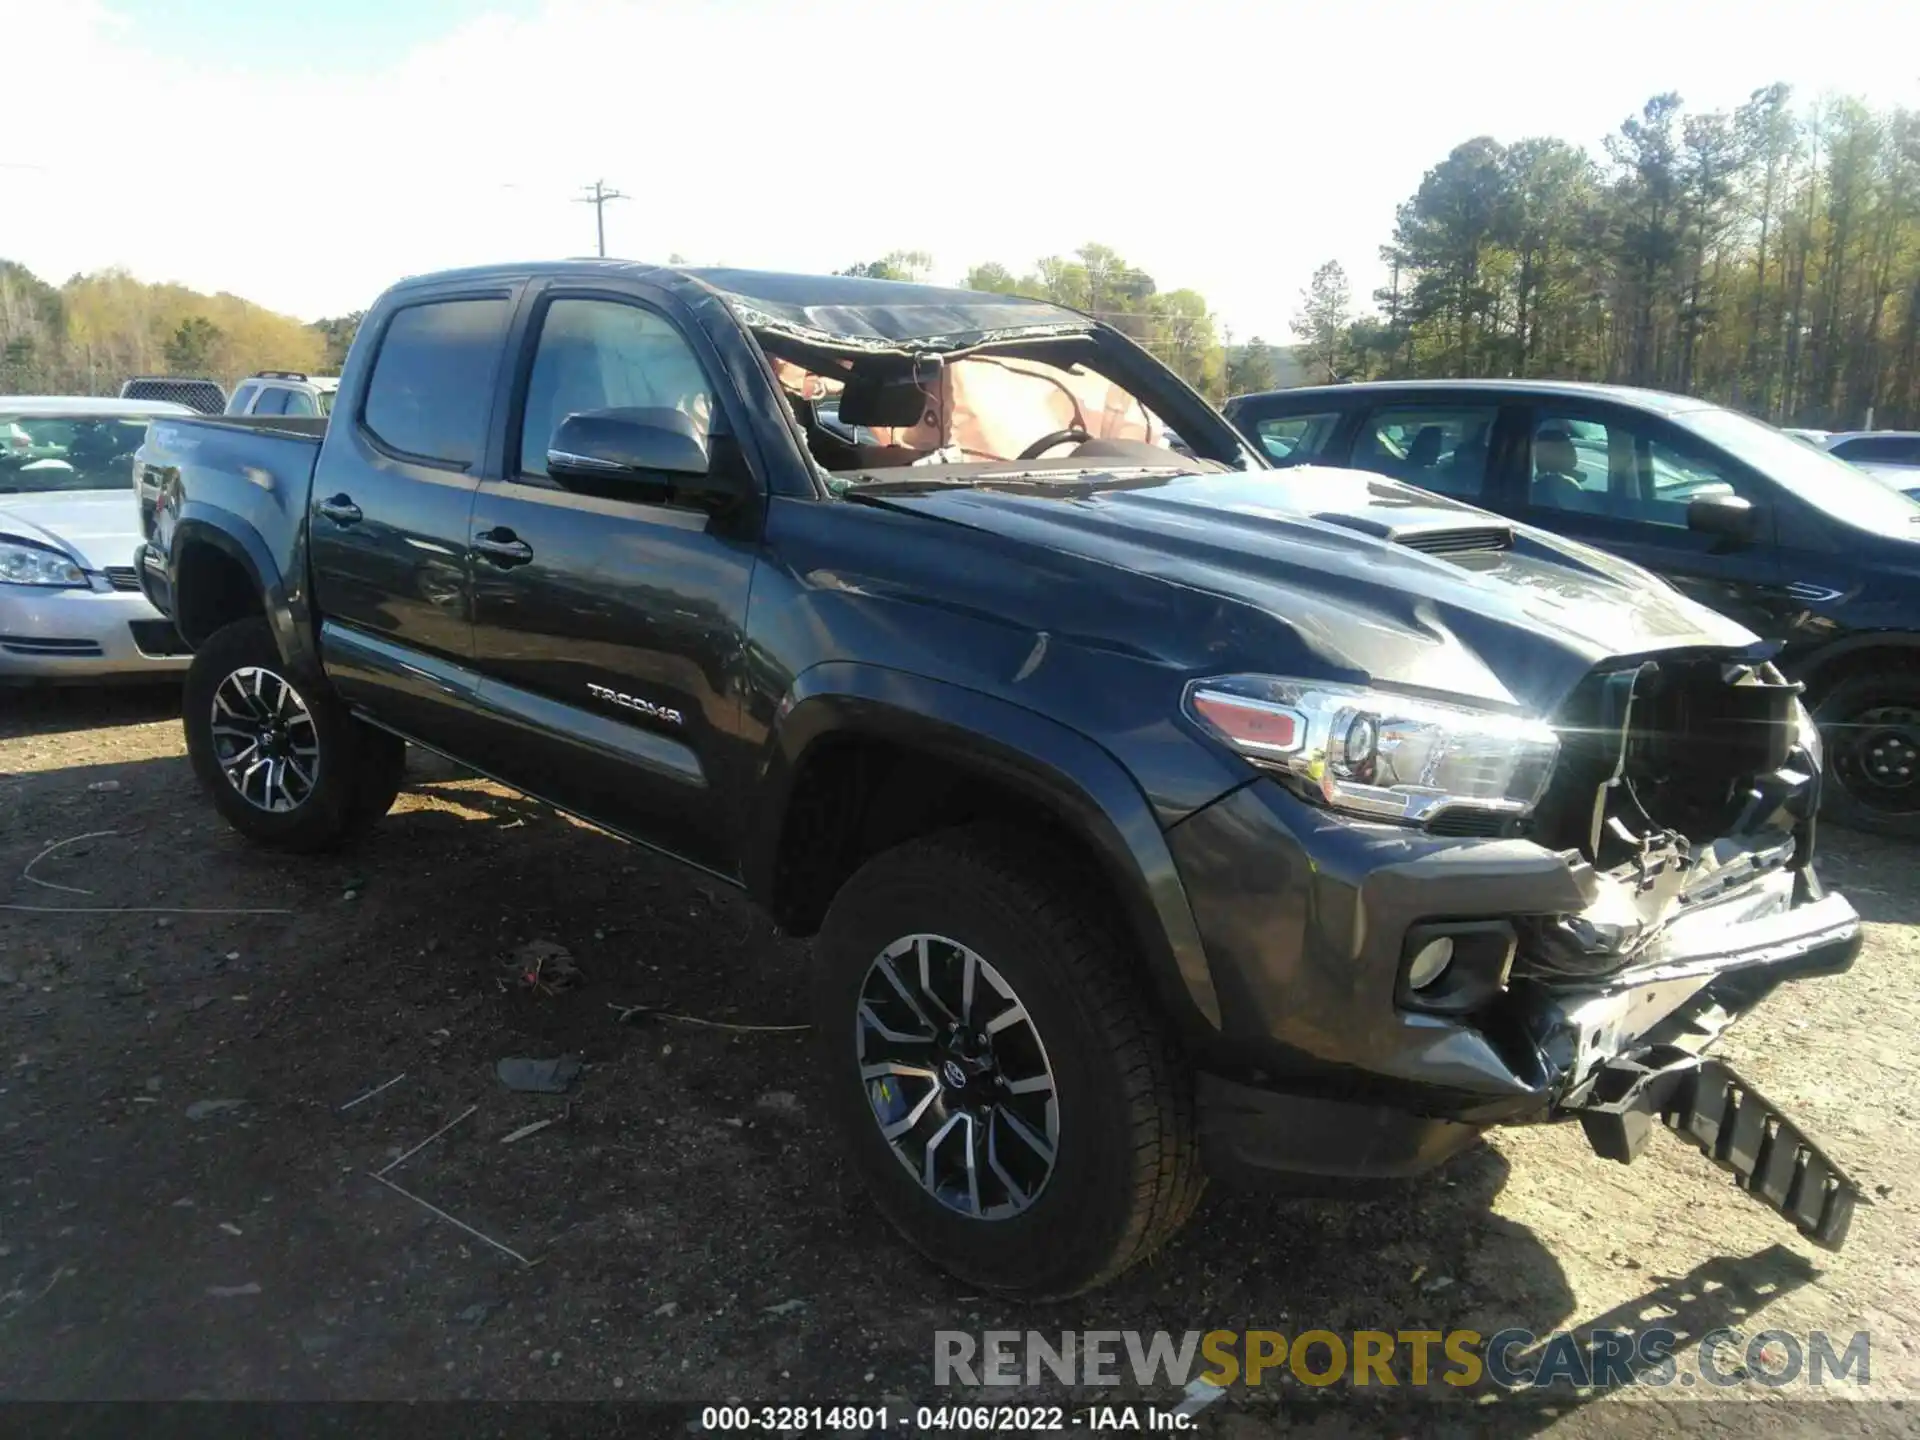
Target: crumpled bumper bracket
1733 1125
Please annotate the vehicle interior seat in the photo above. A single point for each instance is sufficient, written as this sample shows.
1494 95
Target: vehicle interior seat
1424 453
1557 474
102 449
1467 466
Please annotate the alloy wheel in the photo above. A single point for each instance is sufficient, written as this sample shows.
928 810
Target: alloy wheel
265 740
957 1077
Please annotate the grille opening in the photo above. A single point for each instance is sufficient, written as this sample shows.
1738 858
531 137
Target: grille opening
1668 749
157 638
122 577
1466 820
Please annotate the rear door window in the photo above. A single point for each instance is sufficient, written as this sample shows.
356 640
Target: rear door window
432 382
273 400
299 403
1443 448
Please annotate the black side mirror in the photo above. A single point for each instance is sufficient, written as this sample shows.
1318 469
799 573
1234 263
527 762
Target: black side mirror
1730 517
616 451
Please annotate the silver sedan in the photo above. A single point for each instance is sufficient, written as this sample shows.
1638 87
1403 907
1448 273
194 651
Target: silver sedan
70 601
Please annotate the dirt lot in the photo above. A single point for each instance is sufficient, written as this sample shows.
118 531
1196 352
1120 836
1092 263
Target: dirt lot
186 1209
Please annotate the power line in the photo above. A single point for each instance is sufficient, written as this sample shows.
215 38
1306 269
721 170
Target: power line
597 196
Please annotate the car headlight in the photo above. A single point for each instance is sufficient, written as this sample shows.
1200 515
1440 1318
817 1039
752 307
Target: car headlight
24 564
1383 756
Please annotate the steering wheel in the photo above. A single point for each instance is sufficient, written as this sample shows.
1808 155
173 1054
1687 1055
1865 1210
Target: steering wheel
1047 442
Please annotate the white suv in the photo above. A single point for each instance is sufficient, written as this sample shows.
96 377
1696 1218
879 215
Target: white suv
284 392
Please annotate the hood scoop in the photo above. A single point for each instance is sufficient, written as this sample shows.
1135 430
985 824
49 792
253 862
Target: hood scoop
1431 537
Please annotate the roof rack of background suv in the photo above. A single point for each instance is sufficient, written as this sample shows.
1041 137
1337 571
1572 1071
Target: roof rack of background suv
278 375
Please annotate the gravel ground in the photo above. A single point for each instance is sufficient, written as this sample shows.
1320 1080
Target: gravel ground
187 1208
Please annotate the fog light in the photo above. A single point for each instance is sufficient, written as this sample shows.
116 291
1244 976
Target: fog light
1430 963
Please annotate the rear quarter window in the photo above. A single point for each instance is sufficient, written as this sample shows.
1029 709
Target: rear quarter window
432 381
1296 439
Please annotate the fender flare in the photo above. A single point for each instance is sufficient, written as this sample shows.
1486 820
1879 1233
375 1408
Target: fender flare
203 524
1072 776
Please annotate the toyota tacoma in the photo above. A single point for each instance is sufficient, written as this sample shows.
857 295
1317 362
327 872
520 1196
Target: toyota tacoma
1156 813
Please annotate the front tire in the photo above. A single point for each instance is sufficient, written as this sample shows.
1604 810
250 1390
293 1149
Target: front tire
998 1077
278 754
1870 729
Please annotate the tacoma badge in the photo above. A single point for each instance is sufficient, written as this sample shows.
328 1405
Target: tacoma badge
634 702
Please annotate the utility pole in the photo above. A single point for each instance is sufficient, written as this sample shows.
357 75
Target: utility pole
597 196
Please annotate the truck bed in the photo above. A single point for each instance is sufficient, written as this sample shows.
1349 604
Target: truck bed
247 477
308 425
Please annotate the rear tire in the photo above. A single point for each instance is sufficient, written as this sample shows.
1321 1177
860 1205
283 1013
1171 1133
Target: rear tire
1870 730
278 754
1122 1172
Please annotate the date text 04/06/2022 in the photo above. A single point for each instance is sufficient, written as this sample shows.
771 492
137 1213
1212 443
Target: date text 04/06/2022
866 1419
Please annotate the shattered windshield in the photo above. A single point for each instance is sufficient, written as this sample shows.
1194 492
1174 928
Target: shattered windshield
870 420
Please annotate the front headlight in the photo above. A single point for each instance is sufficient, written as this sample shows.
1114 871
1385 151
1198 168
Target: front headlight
23 564
1384 756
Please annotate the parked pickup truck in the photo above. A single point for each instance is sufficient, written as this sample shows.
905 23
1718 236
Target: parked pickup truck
1157 814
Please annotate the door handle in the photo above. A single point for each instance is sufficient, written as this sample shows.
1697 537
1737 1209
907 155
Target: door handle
340 509
503 547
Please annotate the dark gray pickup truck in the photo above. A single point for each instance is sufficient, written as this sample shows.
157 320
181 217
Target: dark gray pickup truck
1157 813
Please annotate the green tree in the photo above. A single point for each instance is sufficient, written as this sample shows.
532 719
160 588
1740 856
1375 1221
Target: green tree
1183 334
190 349
1770 139
1444 235
1769 258
894 265
1321 323
1250 368
1647 196
1176 326
338 333
1547 187
992 277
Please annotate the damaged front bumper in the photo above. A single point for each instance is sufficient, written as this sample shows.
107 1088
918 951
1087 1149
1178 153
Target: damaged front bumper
1633 1055
1324 1068
1709 965
1589 957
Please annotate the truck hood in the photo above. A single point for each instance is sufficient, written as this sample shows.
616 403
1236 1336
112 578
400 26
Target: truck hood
1378 580
97 528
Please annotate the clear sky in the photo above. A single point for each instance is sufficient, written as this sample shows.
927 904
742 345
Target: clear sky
305 154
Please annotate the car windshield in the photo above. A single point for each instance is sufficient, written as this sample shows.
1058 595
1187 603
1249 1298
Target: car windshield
1830 485
47 453
870 421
